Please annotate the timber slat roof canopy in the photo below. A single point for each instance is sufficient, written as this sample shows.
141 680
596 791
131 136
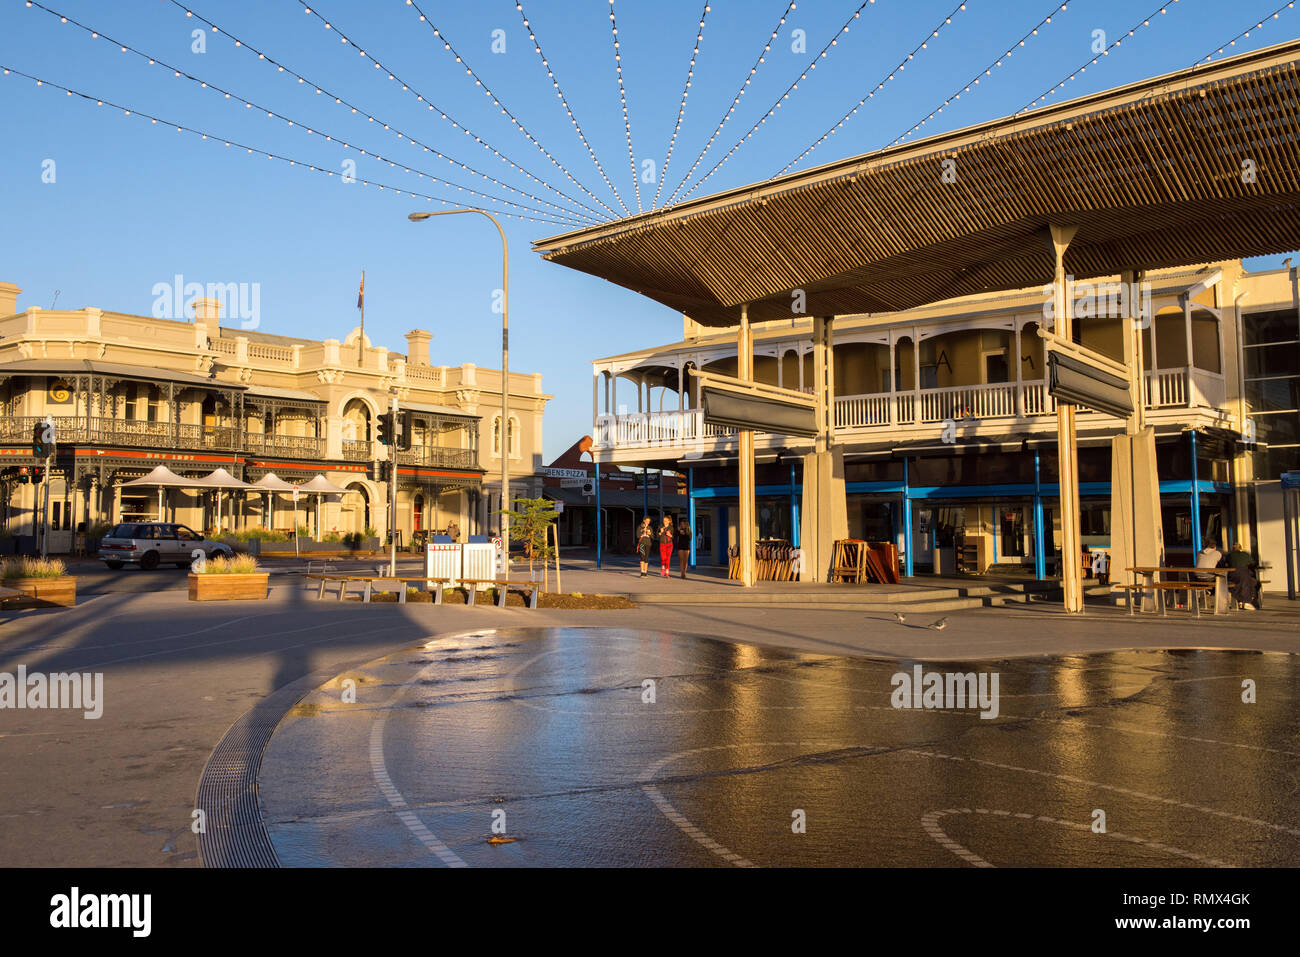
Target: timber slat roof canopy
1155 174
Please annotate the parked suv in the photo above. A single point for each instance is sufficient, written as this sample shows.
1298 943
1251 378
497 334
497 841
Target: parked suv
151 543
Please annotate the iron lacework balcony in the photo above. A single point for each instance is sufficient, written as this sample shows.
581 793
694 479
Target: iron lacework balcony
181 436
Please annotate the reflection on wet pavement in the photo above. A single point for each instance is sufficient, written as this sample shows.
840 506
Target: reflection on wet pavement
601 747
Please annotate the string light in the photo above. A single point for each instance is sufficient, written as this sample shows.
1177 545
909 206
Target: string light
1146 22
431 106
735 102
250 150
783 98
622 96
537 45
1246 33
987 71
478 81
272 114
879 86
681 110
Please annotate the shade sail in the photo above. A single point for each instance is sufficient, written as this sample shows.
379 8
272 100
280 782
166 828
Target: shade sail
270 482
320 485
163 477
221 479
1153 174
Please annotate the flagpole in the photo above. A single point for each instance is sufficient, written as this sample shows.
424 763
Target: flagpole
361 339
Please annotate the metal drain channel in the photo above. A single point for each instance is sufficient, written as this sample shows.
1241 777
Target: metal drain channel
235 835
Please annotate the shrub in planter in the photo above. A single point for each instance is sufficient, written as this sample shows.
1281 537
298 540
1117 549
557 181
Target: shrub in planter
45 580
228 579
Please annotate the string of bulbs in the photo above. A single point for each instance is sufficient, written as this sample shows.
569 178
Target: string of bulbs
564 102
622 96
784 97
514 120
250 150
735 102
372 118
681 110
879 86
561 215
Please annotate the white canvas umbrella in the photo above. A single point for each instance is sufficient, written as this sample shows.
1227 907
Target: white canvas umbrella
221 480
161 477
319 486
271 483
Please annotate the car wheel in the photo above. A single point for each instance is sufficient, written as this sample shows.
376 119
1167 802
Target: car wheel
114 565
149 561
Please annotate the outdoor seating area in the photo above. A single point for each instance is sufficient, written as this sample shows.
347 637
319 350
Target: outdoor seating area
369 585
858 562
1194 586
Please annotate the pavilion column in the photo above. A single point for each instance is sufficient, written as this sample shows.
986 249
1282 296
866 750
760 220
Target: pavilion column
1187 330
893 384
1020 387
1067 449
824 516
745 372
916 376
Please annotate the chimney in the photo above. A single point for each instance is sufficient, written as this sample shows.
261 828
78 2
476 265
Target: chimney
207 309
8 298
417 347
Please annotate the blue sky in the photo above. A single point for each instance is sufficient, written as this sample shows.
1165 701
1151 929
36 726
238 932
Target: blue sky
133 204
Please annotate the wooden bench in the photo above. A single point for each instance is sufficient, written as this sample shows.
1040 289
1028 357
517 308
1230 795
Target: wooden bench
373 583
1193 589
503 588
7 593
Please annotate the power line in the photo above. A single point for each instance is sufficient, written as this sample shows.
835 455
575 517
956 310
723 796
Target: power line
681 110
182 128
735 102
537 45
622 96
344 38
783 98
563 214
514 120
343 101
924 44
1146 22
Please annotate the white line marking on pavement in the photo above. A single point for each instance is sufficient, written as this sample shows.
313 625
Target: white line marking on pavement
380 771
931 824
1111 787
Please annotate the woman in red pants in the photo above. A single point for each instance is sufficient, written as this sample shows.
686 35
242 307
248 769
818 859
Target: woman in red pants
665 547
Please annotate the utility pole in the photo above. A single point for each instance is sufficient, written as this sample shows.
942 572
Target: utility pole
392 497
47 435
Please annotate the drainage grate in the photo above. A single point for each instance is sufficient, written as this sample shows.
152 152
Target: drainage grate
235 834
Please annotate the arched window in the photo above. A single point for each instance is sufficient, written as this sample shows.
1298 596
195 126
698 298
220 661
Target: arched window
512 436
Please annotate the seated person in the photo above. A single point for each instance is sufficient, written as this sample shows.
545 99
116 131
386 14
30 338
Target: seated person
1208 557
1242 580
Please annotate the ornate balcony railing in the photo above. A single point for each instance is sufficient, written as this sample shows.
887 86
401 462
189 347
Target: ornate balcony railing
142 434
357 451
433 456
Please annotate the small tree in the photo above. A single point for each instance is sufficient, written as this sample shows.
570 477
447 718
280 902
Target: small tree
529 521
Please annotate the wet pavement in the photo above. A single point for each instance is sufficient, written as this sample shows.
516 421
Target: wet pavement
608 747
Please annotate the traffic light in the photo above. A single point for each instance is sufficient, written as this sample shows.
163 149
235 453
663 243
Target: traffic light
38 474
385 472
42 439
405 431
386 428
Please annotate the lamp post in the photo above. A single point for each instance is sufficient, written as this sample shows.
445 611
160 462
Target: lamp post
505 367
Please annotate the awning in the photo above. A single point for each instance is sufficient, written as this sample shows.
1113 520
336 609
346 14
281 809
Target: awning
613 498
270 482
70 367
320 485
1150 173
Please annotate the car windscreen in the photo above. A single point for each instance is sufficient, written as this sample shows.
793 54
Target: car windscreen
125 531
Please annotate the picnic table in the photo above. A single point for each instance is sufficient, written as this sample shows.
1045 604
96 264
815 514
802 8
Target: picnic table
1190 585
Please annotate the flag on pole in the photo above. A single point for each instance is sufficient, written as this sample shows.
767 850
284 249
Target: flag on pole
361 293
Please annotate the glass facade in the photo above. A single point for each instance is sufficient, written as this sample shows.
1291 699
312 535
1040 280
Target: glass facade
1271 355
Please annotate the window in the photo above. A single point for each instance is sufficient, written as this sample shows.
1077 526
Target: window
512 436
995 367
1271 355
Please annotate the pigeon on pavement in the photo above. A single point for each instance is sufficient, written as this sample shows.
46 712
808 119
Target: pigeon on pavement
939 625
901 619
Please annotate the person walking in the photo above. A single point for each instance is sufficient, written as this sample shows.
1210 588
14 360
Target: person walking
683 543
644 544
666 537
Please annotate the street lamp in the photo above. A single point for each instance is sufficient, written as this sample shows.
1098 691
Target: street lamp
505 367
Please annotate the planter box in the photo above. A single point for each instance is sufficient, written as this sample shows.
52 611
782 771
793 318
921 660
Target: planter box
45 591
8 546
229 587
